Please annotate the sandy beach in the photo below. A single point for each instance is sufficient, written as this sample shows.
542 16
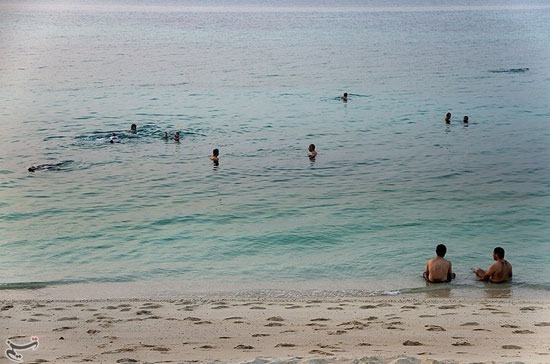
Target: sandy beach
201 330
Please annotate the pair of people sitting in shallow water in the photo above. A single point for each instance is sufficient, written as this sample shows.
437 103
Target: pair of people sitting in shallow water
439 269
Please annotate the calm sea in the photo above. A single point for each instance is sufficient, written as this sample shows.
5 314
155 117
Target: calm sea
260 81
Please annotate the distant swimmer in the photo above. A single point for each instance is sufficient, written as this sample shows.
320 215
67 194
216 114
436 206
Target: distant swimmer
465 120
165 137
42 167
499 272
345 97
439 269
177 136
312 153
215 157
114 139
448 118
133 128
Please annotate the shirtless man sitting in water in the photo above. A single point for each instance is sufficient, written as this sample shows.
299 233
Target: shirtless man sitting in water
439 269
499 272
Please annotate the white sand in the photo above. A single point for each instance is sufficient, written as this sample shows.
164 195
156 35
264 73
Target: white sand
231 330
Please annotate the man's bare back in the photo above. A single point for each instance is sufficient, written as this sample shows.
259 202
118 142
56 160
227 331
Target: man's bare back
438 269
499 272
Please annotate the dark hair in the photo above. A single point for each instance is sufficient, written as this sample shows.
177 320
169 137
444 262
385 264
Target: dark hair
448 114
134 126
215 152
465 118
441 250
499 252
345 94
311 146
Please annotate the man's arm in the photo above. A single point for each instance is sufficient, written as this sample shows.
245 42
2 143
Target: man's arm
510 273
450 272
488 274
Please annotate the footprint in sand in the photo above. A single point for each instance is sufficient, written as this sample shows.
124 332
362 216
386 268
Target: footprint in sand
434 328
284 345
529 308
125 360
203 322
206 347
508 326
219 307
409 307
72 318
320 319
542 324
449 307
371 318
260 335
364 344
426 316
320 352
367 307
511 347
232 318
473 323
461 343
334 308
273 324
224 337
412 343
244 347
257 308
337 332
522 332
276 318
64 328
293 307
189 318
143 312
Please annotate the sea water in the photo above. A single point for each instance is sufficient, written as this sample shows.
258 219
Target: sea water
261 81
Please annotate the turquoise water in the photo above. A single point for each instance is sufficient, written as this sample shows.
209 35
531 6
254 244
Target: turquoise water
261 82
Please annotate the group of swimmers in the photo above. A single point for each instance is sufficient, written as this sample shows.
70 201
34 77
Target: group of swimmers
465 120
439 269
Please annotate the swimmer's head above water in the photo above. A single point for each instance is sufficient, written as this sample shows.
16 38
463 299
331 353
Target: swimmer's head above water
465 119
177 136
133 128
32 169
345 97
448 118
312 153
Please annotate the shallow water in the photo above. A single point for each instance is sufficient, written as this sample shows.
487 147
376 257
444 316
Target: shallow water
260 83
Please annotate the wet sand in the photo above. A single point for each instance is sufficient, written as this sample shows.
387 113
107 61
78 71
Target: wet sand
295 331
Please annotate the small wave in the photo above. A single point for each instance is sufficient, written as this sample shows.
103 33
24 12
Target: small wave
510 70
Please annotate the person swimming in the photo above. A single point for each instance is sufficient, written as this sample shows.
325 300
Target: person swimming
448 118
177 136
499 272
345 97
311 151
133 128
439 269
114 139
215 157
54 166
165 137
465 120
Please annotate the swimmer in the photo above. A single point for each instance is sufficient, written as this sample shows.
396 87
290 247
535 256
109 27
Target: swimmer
177 136
41 167
465 120
165 137
215 157
114 139
448 118
312 153
439 269
345 97
499 272
133 128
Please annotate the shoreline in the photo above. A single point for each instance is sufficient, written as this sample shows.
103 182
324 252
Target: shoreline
236 330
